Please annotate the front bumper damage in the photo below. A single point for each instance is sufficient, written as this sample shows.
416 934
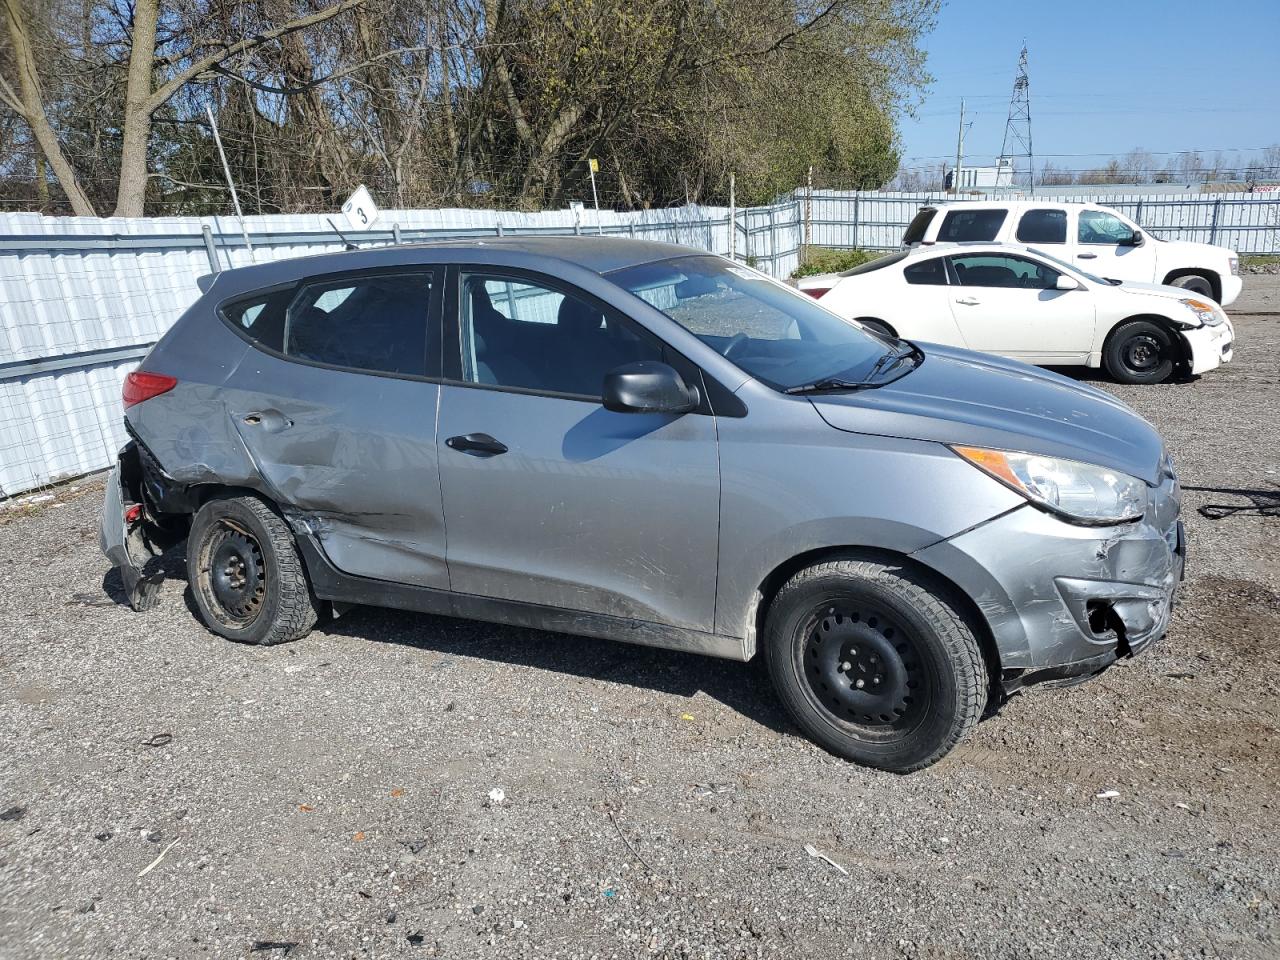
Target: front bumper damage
1065 602
130 537
1209 347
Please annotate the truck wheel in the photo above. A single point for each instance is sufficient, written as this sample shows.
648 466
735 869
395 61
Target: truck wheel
875 664
1195 283
246 575
1139 351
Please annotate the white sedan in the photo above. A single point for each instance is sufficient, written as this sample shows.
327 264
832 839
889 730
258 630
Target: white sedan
1021 303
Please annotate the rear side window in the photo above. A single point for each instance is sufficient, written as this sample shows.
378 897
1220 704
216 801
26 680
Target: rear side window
930 272
967 226
1043 226
367 322
260 317
918 225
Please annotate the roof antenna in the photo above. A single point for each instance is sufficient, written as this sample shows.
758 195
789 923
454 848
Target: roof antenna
347 244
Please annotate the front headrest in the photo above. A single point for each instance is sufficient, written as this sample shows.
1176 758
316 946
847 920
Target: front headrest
577 317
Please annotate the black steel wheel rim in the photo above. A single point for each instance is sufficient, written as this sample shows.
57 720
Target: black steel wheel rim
236 575
1143 353
864 666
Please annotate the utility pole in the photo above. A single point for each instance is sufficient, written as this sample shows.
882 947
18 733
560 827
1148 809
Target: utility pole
955 173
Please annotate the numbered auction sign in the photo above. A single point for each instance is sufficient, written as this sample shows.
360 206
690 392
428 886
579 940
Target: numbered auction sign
360 210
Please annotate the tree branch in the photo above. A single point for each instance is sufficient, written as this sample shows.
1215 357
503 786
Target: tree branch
180 79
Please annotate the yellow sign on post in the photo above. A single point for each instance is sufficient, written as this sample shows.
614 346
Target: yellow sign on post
593 167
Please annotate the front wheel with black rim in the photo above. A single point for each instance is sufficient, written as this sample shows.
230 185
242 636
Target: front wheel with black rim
1194 283
246 575
875 663
1139 351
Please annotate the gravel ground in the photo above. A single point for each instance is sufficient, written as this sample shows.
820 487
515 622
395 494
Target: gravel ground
332 797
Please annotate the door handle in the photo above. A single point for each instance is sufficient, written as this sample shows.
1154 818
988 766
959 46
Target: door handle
477 445
968 301
1086 256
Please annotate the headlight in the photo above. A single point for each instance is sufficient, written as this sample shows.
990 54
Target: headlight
1207 312
1233 264
1079 492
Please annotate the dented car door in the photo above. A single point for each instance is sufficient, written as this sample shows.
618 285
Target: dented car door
337 408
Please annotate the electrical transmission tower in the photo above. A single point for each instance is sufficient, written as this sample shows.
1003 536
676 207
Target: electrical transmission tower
1017 129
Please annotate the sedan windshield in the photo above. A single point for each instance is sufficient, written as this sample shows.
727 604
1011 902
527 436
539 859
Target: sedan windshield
774 333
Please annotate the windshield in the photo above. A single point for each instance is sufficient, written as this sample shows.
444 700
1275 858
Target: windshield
774 333
1070 266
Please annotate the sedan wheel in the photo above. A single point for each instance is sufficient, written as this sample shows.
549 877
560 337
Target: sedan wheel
1139 352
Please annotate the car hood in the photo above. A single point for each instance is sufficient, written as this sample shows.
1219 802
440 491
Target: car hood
962 397
1154 289
1193 253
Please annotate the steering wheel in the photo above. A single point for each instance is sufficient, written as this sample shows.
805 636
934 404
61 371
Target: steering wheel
734 344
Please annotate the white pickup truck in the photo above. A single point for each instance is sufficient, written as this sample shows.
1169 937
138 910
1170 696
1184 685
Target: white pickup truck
1096 239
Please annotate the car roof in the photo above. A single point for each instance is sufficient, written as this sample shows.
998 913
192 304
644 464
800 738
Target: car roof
548 254
1013 203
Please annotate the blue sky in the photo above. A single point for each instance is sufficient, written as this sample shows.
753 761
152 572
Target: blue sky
1106 77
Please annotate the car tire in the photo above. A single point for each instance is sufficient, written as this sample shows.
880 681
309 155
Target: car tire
246 575
875 663
1195 283
1139 351
879 326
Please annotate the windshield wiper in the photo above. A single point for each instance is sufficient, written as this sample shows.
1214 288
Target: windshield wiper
885 363
829 384
891 360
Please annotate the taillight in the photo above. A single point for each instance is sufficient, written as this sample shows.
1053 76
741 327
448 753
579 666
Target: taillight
140 385
816 292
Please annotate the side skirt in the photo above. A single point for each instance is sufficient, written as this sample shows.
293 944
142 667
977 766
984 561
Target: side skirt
332 584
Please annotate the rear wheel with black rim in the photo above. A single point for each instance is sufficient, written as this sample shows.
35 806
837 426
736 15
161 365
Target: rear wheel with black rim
875 663
245 573
1139 351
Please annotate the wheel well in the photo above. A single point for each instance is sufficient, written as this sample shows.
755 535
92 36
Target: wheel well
1163 323
1215 280
772 583
887 326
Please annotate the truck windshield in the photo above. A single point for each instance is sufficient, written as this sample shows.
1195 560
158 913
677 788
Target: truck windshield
776 334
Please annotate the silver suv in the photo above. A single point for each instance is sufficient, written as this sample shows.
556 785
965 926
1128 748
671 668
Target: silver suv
642 442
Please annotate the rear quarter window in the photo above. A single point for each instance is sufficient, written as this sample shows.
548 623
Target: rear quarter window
918 226
968 226
260 316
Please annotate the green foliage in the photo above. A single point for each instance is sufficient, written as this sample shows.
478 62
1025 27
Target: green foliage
825 260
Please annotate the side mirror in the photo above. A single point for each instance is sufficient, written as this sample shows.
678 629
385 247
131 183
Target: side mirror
1136 239
1066 283
648 386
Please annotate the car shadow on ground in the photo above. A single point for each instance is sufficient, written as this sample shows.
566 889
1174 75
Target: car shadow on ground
743 687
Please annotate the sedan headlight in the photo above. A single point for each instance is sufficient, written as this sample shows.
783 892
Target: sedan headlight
1207 313
1233 264
1078 492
